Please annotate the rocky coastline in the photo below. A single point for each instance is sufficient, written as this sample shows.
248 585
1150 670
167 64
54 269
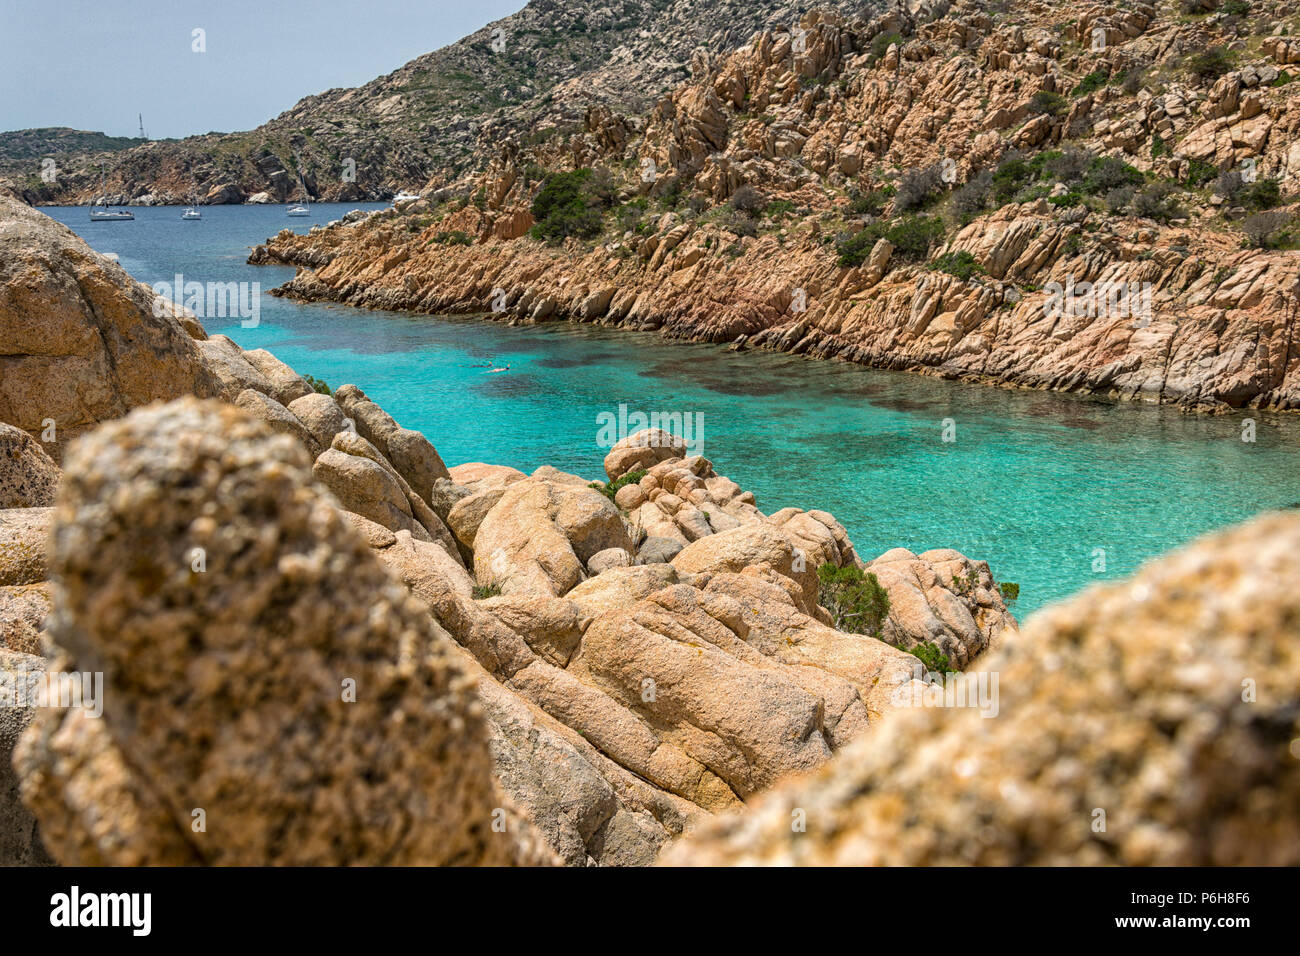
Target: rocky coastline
558 601
320 645
1081 227
249 620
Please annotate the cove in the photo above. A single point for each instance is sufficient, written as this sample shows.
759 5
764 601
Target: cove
1056 492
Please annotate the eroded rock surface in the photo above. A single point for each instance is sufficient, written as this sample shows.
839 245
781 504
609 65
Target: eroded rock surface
28 476
79 341
641 663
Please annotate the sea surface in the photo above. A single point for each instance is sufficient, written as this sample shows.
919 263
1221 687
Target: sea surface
1056 492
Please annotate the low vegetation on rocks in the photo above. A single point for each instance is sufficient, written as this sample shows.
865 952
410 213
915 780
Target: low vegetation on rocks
856 601
474 665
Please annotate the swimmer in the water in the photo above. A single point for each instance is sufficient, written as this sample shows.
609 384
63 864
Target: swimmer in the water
504 368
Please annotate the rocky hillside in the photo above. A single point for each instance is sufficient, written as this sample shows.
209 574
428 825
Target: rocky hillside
35 144
533 73
603 663
1090 197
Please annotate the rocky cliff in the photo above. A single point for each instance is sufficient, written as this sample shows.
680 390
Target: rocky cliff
531 74
1094 198
579 674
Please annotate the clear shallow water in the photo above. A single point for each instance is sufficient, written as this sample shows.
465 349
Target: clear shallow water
1035 483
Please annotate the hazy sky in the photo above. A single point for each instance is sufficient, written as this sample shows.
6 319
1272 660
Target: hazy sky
95 64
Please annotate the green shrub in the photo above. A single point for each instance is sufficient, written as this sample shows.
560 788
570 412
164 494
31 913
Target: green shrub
1117 200
1012 175
1107 173
869 203
1270 230
748 200
1068 165
965 583
563 207
740 224
318 385
1199 173
1229 184
1261 194
1210 64
455 237
857 602
913 236
482 591
629 215
882 42
919 188
778 209
610 489
1158 201
1091 83
931 657
1049 103
1010 591
853 250
961 264
969 201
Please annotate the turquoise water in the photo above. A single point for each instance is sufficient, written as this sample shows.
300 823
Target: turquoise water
1034 483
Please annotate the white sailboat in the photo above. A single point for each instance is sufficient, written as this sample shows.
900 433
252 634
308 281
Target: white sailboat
404 196
191 213
100 212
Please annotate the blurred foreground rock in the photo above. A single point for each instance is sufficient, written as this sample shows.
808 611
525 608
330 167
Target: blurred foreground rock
234 614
